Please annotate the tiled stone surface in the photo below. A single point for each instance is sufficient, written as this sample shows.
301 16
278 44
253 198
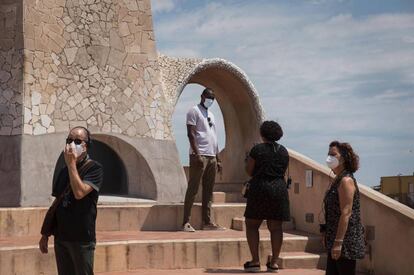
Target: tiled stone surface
88 61
11 118
91 63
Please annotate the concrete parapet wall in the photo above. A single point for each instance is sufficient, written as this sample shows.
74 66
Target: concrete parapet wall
389 224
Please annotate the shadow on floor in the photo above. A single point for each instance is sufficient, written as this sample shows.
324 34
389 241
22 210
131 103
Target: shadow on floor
227 271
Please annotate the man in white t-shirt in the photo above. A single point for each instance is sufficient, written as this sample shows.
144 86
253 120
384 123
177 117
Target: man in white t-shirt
204 161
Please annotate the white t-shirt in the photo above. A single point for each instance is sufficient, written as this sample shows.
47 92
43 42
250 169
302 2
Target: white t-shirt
206 137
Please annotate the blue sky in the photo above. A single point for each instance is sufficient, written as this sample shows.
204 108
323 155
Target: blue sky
324 69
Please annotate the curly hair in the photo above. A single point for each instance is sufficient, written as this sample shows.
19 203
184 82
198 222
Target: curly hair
271 130
351 159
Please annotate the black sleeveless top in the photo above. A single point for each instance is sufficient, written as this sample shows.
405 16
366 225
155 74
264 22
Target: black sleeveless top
353 246
271 161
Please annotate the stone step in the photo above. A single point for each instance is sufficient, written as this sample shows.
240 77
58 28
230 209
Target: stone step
26 221
237 270
224 197
239 224
124 251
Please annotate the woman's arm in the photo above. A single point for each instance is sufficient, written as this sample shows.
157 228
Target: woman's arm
250 166
346 193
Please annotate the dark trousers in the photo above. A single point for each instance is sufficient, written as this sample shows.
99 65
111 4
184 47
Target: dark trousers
341 266
205 172
74 258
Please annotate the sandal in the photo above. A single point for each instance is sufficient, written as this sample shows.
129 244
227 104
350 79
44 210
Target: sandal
270 267
249 267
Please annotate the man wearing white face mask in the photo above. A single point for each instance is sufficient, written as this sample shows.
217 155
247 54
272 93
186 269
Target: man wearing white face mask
76 190
204 160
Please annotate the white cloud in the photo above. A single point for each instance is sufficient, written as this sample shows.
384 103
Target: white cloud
159 6
323 76
393 95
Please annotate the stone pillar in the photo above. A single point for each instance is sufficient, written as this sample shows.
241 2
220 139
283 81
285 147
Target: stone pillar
75 62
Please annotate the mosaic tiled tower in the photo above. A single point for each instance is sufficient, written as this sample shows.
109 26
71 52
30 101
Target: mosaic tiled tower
94 63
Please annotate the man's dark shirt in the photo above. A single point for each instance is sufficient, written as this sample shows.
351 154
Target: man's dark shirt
76 218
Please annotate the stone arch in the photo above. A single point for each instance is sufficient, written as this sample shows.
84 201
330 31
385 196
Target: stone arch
141 180
239 103
123 161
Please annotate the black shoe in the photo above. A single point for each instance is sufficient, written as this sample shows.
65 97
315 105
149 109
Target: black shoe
272 269
249 267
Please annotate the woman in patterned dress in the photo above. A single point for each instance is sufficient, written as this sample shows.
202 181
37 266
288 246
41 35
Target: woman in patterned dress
267 195
343 232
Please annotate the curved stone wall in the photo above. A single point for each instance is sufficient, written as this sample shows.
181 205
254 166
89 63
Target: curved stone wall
236 95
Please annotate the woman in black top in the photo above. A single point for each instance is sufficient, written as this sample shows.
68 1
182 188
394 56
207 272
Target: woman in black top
344 233
267 195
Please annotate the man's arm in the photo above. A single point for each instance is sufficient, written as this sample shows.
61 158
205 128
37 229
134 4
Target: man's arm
79 188
191 134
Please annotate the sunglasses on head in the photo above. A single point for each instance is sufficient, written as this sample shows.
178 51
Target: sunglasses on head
76 140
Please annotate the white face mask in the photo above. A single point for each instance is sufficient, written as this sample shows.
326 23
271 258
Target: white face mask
208 102
77 148
332 162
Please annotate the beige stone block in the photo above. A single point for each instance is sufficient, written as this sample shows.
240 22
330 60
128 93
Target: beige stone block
28 129
46 121
70 54
42 108
131 5
116 58
92 121
52 46
106 127
207 254
85 102
52 78
82 58
138 257
99 54
100 259
229 259
61 126
184 255
58 39
115 40
35 118
102 107
116 258
77 123
39 129
52 28
108 219
123 29
135 58
40 41
129 219
71 101
115 128
50 109
78 109
128 92
142 126
121 120
57 12
86 113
